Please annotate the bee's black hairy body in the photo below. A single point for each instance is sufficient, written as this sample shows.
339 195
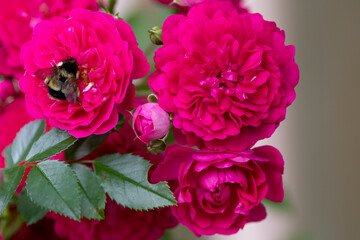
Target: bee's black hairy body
69 66
61 80
58 95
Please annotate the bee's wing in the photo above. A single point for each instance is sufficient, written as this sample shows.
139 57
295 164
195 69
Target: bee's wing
70 90
44 72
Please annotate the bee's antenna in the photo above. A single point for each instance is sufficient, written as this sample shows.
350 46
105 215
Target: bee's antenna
81 104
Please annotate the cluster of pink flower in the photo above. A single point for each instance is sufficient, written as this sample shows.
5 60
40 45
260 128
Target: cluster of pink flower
225 76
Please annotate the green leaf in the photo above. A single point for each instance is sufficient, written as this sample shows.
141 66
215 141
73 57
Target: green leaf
9 162
84 146
92 194
285 206
10 178
30 211
53 185
50 144
25 139
125 180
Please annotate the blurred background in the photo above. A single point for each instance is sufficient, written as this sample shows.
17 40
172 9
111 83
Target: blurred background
320 136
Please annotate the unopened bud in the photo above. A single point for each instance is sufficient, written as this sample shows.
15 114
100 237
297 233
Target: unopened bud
150 122
178 2
155 35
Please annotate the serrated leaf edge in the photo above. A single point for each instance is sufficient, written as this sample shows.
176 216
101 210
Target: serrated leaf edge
88 198
23 172
28 148
145 209
33 158
8 157
173 200
36 204
78 217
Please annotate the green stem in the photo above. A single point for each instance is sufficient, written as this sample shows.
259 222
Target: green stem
12 229
82 161
101 5
28 164
112 4
11 222
5 77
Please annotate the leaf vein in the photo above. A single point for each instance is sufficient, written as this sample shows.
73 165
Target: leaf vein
120 175
49 181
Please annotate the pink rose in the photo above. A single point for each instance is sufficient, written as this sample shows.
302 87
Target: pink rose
119 224
12 117
17 20
219 192
150 122
107 56
7 90
226 77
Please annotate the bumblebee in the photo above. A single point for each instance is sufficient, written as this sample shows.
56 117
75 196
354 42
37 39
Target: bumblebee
61 80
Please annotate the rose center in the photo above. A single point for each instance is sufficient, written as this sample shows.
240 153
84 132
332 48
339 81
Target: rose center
227 83
217 194
84 71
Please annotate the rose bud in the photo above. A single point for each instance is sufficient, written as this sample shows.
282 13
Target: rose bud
155 35
150 122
